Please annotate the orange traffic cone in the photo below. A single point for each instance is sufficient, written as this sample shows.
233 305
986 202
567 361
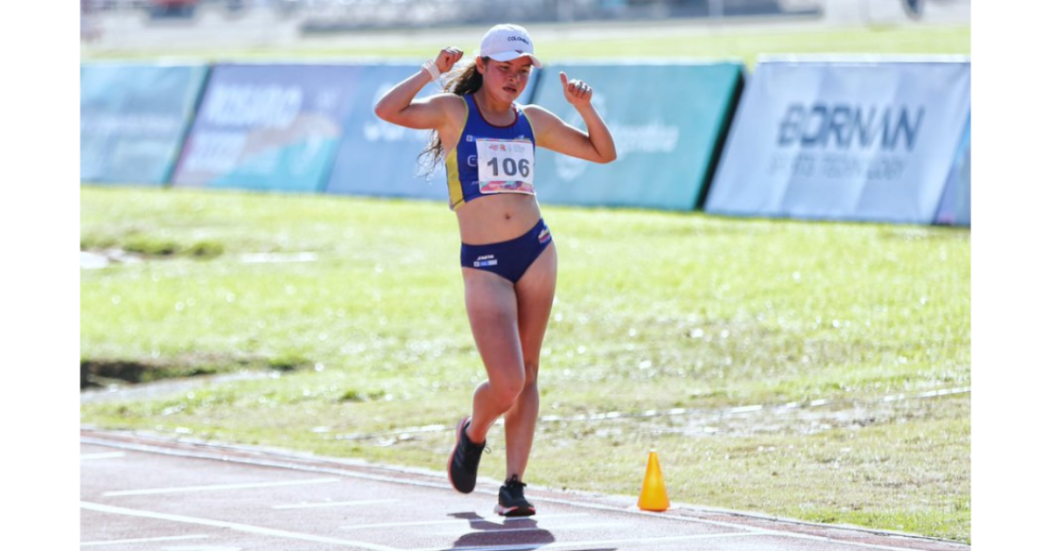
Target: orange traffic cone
654 494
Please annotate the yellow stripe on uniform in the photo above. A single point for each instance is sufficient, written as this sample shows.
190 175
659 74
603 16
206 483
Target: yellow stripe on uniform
455 189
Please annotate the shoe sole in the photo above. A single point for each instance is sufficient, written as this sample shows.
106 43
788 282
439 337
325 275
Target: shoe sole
452 456
514 511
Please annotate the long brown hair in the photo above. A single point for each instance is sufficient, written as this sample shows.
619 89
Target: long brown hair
466 81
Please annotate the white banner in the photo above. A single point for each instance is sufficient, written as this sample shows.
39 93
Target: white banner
846 139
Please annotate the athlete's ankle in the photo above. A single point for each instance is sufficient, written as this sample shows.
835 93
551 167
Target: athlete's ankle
473 437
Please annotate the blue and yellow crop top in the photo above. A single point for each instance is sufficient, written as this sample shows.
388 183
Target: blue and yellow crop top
490 159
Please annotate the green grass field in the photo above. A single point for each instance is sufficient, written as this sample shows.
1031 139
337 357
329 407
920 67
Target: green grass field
654 311
844 332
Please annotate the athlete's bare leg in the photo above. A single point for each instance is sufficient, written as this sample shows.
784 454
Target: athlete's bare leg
535 291
508 322
492 308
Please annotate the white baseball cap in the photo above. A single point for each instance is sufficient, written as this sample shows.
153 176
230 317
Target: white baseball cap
506 42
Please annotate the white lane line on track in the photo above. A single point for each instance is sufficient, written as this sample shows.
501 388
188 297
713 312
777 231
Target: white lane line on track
248 528
590 543
104 455
141 540
335 503
218 487
345 472
266 463
494 520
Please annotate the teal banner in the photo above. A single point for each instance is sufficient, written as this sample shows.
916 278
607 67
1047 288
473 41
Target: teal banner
268 127
133 119
668 120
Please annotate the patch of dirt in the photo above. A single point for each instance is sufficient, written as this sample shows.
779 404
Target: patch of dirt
95 374
102 372
116 390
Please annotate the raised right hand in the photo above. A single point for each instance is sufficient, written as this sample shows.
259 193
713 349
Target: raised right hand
448 58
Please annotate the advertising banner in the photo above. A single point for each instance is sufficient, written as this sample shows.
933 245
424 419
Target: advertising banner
133 118
955 205
667 120
844 139
272 127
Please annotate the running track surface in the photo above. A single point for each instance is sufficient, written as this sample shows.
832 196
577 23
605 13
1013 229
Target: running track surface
153 494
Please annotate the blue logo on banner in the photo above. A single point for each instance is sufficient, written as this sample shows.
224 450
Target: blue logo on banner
848 126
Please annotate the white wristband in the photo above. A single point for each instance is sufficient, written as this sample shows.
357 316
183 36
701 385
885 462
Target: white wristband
431 68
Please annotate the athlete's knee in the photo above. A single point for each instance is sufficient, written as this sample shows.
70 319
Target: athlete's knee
532 370
505 390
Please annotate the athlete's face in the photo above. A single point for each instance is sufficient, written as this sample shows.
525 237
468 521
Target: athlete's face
506 80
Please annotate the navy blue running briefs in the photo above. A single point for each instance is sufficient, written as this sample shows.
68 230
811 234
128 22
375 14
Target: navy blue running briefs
508 259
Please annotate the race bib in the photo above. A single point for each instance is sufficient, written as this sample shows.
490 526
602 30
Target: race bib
505 166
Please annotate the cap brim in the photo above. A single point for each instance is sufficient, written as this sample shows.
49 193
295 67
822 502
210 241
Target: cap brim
510 56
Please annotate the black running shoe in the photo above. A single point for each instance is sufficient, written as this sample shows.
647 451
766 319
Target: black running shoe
512 502
463 463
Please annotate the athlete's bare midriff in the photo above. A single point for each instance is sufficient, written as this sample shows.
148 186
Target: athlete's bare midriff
496 218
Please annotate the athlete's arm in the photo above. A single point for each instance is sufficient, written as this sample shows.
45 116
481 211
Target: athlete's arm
400 106
553 133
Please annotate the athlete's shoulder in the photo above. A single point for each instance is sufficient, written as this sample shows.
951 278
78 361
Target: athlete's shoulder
451 106
539 116
447 99
533 109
